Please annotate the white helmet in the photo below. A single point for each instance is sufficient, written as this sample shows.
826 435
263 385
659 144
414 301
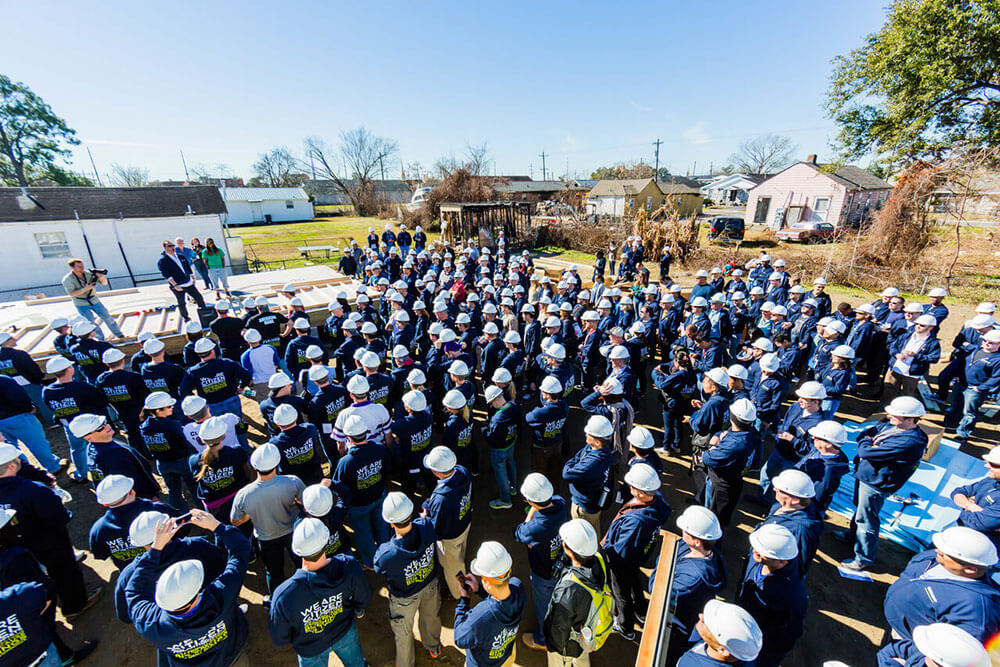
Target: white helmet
536 488
743 410
718 375
811 390
966 545
906 406
641 476
440 459
772 540
737 371
734 628
551 385
492 560
396 508
950 646
641 438
843 351
830 431
599 427
700 522
579 537
794 483
454 399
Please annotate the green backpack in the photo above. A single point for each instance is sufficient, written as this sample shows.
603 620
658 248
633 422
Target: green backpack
601 616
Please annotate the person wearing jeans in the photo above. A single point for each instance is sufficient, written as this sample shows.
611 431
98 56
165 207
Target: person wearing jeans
501 436
82 286
68 398
176 270
981 380
360 480
17 424
215 260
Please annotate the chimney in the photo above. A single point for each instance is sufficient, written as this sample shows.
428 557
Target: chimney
811 158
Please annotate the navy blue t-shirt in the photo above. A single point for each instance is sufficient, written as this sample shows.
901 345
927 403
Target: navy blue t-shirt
361 474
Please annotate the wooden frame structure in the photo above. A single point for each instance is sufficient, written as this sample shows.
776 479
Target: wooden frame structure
656 630
483 222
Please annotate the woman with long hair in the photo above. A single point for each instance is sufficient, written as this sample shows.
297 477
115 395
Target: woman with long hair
215 261
219 470
168 446
198 263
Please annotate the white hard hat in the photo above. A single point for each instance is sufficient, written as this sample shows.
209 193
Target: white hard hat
447 336
301 323
779 310
492 393
415 401
440 459
278 380
913 307
764 344
599 427
310 537
718 375
552 321
769 362
702 273
192 405
112 356
699 302
579 537
737 371
837 326
797 289
85 424
811 390
743 410
251 336
512 337
950 646
58 364
212 428
501 375
492 560
113 488
551 385
700 522
349 325
992 336
179 584
774 541
491 328
83 328
318 373
927 321
459 367
354 426
536 488
966 545
222 305
358 385
8 453
556 351
843 351
314 352
370 360
641 476
142 530
890 292
794 483
906 406
58 323
204 346
619 352
396 508
317 500
830 431
265 457
285 415
938 292
993 456
986 308
454 399
158 400
734 628
192 327
400 352
369 328
416 376
641 438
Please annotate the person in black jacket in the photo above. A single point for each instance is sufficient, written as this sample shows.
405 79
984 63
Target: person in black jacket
17 423
176 270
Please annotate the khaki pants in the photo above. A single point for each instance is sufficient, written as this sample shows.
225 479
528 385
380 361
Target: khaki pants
401 614
556 660
260 391
242 660
452 554
576 512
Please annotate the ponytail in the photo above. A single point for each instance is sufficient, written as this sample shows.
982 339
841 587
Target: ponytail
466 413
209 457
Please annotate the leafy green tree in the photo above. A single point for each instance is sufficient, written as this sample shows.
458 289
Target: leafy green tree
926 82
32 137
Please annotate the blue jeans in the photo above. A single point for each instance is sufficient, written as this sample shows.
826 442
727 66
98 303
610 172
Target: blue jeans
830 407
870 501
673 428
26 429
77 452
347 648
504 470
220 278
175 473
231 405
370 530
34 392
97 309
972 400
51 658
541 591
776 463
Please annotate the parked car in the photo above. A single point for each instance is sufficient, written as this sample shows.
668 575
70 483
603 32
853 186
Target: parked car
726 229
807 232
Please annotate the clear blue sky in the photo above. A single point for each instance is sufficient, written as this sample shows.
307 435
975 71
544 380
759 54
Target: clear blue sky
588 83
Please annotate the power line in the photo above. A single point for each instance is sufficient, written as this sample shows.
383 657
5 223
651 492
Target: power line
656 172
543 156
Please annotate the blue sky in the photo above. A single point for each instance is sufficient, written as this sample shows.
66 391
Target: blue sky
588 83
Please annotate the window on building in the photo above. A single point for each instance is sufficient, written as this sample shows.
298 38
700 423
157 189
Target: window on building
52 244
821 207
649 203
289 203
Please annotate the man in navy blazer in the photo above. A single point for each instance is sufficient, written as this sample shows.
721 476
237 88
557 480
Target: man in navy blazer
176 269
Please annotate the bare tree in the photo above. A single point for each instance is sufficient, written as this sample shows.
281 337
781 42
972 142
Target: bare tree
362 155
277 168
765 154
128 176
211 173
478 160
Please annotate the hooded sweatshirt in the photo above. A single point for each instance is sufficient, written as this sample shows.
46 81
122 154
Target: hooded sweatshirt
488 631
410 562
312 610
450 504
541 536
109 537
633 531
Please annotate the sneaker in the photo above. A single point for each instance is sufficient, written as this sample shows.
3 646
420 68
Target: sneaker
81 654
91 601
854 565
626 634
79 556
435 652
500 504
529 641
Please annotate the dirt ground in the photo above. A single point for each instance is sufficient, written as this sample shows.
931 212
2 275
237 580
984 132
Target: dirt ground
844 620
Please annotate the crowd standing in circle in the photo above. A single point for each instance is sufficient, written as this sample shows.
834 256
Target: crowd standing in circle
383 419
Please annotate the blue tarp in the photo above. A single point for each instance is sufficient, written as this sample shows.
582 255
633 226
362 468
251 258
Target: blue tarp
930 488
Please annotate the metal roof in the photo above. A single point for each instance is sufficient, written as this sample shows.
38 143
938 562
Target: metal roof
262 194
531 186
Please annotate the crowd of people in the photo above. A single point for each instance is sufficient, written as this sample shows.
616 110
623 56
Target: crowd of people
450 362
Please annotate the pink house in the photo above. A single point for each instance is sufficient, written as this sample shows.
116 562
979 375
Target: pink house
808 192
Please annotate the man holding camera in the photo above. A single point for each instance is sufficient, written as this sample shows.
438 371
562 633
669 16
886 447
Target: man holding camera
81 284
176 269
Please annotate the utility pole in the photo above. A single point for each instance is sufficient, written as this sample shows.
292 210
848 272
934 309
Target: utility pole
187 177
97 176
531 171
656 171
543 156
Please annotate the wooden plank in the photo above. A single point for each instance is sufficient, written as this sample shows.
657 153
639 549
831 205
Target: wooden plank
62 299
656 630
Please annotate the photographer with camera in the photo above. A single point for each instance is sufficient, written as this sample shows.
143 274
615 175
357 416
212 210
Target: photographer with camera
81 284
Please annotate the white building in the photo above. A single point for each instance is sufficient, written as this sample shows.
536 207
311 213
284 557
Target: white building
248 206
118 229
731 189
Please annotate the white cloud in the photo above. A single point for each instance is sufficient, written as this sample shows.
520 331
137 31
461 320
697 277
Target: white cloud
639 107
696 134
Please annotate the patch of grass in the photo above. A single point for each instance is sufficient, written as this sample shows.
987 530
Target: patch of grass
567 255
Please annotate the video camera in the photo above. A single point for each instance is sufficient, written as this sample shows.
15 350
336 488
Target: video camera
96 273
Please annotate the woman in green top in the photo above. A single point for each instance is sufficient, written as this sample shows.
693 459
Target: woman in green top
215 259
